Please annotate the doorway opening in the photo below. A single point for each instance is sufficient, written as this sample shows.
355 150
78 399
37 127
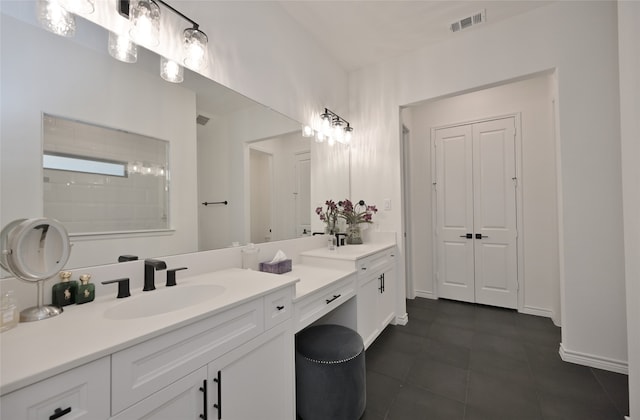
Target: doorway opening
530 100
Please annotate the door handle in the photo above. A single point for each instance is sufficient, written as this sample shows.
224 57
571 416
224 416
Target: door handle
480 236
468 236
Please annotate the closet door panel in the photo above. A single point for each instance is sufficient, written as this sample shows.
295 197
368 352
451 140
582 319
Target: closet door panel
494 213
454 196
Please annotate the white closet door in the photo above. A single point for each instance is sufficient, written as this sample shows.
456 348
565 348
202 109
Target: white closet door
454 195
494 213
476 213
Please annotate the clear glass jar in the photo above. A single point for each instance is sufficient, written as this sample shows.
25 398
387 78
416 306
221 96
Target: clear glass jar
8 311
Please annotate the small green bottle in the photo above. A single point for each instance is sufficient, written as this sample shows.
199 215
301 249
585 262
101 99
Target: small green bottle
64 293
86 291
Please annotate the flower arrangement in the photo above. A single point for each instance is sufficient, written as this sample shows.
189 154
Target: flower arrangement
329 216
356 214
353 215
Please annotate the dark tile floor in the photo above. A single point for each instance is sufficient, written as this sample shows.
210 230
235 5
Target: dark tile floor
463 361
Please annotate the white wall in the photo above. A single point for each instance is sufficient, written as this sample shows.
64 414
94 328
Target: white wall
579 39
540 286
36 80
628 35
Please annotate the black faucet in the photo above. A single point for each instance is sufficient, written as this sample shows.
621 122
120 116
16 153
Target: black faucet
123 287
340 241
150 266
171 276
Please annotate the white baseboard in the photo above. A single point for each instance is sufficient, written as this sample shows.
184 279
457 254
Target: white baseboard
627 418
425 294
532 310
402 320
594 361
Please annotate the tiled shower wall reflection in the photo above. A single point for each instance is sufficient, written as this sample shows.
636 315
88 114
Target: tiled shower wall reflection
94 203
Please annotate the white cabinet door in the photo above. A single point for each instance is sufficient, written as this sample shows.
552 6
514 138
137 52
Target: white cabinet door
376 303
183 399
255 381
387 297
368 323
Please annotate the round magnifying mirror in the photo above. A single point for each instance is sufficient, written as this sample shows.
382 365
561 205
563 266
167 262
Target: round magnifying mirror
35 250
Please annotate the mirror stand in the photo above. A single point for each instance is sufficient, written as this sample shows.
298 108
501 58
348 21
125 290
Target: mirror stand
34 250
41 311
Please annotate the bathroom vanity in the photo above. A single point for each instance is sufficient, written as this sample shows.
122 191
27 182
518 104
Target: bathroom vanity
232 342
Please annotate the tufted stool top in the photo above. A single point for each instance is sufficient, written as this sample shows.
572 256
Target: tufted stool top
329 344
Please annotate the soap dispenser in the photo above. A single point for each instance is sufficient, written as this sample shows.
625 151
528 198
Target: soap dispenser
86 291
64 293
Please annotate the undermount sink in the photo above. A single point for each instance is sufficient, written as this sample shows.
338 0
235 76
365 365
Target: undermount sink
162 301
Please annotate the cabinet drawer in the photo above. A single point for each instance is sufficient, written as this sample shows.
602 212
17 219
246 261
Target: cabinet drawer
277 307
314 306
80 393
141 370
375 262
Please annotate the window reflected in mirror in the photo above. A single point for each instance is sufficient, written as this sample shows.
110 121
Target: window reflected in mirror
102 180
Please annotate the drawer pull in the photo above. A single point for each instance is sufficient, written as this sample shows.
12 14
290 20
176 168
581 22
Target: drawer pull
59 412
203 389
333 298
281 307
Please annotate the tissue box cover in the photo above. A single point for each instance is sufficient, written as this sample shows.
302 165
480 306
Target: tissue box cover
276 268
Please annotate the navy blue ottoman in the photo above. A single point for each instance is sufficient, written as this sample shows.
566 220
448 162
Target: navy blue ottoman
330 374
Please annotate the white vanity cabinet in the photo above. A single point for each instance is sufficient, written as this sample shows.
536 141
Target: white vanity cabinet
234 365
254 381
376 293
80 393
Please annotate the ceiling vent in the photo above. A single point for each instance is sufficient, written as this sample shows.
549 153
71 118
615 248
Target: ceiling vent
202 120
469 21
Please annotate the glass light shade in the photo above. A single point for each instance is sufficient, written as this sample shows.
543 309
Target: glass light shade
348 133
319 136
55 18
121 48
80 7
171 71
331 140
325 126
145 22
338 132
307 131
195 48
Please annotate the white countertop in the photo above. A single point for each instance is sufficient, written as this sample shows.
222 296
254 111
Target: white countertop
349 252
33 351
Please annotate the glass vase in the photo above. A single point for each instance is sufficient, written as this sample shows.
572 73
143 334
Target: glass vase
331 228
354 235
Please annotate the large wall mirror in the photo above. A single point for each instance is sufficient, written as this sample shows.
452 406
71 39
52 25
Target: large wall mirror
239 151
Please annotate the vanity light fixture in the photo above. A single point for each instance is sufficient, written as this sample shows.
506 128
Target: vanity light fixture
55 18
333 128
144 16
171 71
121 48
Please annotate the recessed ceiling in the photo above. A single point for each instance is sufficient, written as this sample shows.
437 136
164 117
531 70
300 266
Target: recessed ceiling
359 33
